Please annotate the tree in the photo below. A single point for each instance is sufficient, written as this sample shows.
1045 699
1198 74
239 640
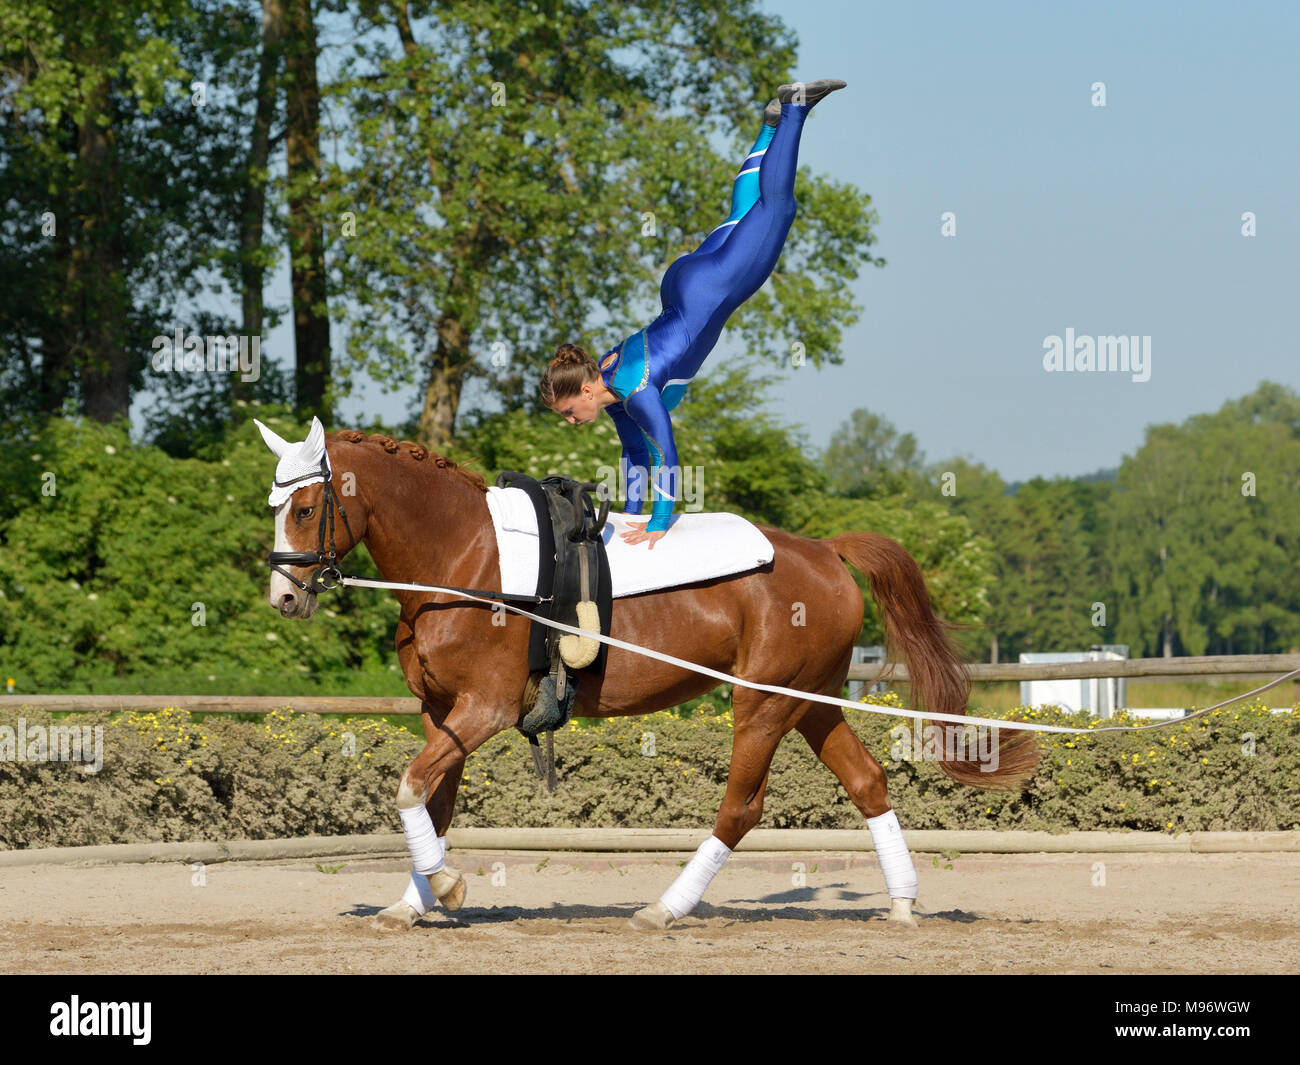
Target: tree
1044 542
518 176
117 559
253 253
311 324
120 181
1206 525
867 455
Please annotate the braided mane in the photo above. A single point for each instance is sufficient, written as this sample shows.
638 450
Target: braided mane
417 451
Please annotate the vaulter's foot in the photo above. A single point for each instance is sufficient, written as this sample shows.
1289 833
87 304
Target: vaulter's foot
808 93
772 113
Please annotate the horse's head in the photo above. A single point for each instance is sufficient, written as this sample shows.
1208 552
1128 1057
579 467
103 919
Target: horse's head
312 530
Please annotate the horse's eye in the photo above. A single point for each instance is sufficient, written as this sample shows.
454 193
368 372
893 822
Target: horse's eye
305 512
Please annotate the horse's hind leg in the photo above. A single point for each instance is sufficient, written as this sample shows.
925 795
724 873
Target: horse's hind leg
761 721
840 750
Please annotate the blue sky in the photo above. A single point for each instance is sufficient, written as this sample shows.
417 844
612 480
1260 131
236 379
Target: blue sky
1123 219
1115 220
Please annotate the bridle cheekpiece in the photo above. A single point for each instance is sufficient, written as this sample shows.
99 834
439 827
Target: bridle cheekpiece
327 574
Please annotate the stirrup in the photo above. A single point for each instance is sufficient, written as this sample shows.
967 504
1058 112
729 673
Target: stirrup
550 711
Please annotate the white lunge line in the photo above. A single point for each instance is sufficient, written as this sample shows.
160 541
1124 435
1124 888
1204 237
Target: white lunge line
777 689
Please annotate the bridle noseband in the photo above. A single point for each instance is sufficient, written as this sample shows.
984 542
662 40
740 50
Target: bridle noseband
327 574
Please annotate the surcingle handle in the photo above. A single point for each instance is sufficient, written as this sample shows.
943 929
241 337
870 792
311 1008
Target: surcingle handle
579 652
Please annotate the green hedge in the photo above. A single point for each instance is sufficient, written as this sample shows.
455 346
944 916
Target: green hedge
166 776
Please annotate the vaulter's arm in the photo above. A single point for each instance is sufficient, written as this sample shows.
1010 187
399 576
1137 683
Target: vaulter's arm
636 456
646 409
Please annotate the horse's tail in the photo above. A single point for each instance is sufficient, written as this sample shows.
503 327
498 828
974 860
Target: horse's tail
939 681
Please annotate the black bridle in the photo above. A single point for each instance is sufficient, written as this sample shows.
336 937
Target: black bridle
327 574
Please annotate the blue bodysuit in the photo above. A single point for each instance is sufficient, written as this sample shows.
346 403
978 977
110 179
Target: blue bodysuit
650 370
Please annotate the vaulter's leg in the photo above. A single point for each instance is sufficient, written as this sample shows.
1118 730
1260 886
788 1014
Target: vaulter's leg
426 812
705 289
744 189
744 194
840 750
752 746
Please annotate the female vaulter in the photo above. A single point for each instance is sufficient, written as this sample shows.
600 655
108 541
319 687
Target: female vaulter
641 380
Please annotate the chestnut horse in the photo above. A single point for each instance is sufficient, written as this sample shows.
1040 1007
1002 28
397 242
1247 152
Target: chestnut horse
425 520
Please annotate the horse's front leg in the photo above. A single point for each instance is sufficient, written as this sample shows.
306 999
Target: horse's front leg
426 797
446 886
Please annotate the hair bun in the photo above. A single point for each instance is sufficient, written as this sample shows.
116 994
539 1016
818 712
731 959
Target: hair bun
570 355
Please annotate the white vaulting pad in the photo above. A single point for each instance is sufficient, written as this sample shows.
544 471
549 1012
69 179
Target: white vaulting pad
697 547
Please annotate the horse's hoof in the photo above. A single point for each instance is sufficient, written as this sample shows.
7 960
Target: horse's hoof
900 914
654 918
449 887
399 917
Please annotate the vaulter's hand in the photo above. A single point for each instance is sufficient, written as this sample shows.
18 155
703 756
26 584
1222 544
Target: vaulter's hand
639 534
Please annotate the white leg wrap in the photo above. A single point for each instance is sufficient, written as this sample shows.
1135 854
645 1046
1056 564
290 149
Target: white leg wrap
421 839
895 861
689 887
418 894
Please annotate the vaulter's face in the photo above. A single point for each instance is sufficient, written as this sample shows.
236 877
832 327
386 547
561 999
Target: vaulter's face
581 409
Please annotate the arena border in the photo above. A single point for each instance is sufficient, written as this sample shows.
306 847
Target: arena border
644 840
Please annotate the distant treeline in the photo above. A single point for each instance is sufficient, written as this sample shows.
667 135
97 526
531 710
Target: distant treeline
1189 548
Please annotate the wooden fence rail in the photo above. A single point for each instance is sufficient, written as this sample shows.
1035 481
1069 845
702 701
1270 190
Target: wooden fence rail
1202 666
1205 666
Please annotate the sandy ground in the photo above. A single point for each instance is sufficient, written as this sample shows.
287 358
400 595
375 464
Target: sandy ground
533 913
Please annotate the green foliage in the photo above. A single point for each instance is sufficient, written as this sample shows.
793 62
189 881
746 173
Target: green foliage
1188 550
107 574
165 777
868 456
1206 525
522 176
120 189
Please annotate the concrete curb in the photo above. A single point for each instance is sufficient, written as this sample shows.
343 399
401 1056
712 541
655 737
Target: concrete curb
680 840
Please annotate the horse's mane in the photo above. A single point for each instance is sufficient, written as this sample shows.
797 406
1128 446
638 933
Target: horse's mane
417 451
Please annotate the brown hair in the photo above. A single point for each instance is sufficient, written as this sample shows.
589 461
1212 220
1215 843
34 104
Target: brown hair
567 373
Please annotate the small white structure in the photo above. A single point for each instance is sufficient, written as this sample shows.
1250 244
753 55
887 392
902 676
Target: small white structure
1101 696
872 656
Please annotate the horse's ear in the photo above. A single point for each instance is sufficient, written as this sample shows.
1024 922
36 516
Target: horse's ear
274 441
314 445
